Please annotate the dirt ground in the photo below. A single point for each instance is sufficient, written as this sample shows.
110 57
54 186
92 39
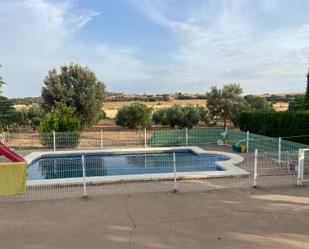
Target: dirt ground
276 217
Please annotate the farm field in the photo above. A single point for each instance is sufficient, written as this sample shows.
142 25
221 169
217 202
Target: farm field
111 108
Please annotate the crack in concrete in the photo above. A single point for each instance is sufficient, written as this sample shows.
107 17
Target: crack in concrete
130 216
230 206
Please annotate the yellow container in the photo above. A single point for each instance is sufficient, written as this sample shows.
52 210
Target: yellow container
243 149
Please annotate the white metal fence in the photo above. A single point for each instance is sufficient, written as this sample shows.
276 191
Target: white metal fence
268 161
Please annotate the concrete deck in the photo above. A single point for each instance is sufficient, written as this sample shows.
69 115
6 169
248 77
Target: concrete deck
276 217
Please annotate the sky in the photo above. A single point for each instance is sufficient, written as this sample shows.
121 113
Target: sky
157 46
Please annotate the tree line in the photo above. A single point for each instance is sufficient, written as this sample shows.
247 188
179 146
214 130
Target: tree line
72 97
222 107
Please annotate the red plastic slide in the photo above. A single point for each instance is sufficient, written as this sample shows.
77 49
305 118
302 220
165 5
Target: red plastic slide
9 154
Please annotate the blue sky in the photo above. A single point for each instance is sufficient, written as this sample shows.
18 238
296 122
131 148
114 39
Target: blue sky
157 46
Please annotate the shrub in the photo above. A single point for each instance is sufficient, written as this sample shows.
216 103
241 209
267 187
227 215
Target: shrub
187 116
133 116
277 124
62 121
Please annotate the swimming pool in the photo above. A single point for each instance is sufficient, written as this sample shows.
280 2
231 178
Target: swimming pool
49 168
116 164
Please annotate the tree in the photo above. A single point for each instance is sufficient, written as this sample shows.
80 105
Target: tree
186 116
23 117
191 117
226 103
174 116
35 115
1 82
9 117
298 103
159 117
307 93
61 119
136 115
257 103
75 86
204 114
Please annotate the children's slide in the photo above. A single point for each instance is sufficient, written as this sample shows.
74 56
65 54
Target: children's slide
9 154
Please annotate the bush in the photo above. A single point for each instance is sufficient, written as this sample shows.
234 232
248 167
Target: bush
277 124
35 114
298 103
187 116
62 121
9 117
133 116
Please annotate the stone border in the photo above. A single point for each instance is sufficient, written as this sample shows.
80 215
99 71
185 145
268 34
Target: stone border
229 166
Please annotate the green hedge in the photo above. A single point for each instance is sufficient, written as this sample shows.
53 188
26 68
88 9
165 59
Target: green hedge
277 124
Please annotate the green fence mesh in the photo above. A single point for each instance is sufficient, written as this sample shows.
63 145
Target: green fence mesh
178 137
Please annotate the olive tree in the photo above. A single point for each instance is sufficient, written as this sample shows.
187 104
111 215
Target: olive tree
75 86
226 103
257 103
133 116
9 117
180 116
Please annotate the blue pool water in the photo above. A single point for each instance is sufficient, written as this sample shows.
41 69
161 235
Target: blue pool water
55 167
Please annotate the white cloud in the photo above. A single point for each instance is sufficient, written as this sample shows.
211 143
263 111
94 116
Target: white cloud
224 43
217 41
40 34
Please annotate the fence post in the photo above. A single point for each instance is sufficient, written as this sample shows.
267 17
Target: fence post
54 140
101 136
255 168
300 168
247 145
174 165
145 137
84 177
279 150
186 136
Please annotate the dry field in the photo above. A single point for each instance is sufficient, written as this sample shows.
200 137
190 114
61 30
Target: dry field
111 108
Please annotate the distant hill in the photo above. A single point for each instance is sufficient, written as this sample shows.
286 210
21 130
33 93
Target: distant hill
125 97
27 100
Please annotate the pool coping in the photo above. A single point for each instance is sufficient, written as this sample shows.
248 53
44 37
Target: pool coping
229 166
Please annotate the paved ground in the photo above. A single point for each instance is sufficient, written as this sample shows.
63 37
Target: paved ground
236 218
